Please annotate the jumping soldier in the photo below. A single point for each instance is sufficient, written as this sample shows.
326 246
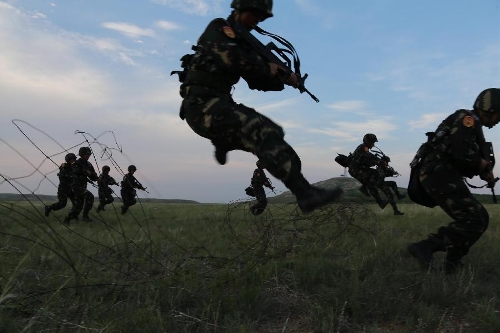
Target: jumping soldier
83 172
64 191
128 192
221 58
360 168
454 151
256 189
104 191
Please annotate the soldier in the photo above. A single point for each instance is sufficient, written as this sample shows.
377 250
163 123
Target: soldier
64 191
456 150
128 192
360 168
220 60
256 189
388 171
83 172
104 191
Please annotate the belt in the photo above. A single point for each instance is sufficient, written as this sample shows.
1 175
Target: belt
212 81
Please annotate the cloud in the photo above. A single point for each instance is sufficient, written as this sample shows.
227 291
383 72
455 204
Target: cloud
357 107
167 25
350 131
428 120
128 30
194 7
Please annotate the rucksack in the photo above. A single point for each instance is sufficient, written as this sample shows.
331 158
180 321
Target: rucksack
343 160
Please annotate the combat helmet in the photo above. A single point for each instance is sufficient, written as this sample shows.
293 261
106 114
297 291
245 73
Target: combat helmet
106 168
70 157
370 138
260 164
131 168
488 100
84 151
264 6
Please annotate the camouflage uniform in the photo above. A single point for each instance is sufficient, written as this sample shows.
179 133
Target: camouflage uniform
455 153
128 192
64 191
104 191
83 171
361 169
259 180
220 60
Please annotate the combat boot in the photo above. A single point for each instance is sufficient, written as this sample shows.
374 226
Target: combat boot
317 197
66 220
99 208
453 260
86 218
397 212
400 196
221 155
382 203
423 253
47 210
364 190
124 210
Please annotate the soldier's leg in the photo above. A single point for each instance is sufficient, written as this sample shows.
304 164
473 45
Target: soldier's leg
371 179
102 201
60 204
470 217
383 186
78 202
261 204
392 185
89 202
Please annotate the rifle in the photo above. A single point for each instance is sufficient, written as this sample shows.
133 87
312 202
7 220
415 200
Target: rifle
266 52
489 155
385 169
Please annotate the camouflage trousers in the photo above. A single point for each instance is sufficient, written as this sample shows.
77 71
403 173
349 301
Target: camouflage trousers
84 199
63 194
105 197
371 179
391 184
232 126
128 198
470 218
261 204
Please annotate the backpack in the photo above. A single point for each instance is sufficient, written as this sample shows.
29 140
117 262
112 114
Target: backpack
343 160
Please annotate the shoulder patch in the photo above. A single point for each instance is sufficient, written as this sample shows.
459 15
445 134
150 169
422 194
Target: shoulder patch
468 121
367 149
228 31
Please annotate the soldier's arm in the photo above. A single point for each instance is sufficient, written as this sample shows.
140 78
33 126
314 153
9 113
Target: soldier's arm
465 145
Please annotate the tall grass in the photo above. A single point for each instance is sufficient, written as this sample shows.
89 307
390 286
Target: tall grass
217 268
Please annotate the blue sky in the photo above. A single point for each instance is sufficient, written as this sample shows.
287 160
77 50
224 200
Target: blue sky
393 68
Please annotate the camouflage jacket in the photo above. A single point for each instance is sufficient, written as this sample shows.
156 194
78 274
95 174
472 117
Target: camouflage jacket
362 158
83 171
105 181
65 175
259 179
221 58
456 145
129 183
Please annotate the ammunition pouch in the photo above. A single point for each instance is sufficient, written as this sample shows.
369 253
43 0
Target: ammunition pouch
212 81
250 191
415 190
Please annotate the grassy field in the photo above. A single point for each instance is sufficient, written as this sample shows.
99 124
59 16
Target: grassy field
217 268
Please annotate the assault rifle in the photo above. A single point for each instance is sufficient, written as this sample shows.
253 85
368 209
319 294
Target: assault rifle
384 169
267 52
489 155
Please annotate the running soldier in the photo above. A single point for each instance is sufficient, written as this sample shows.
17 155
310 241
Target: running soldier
64 191
457 149
128 192
104 191
83 172
256 189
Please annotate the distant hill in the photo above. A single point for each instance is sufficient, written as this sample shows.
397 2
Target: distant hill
53 198
352 194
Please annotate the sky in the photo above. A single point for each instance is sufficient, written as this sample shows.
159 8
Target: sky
78 70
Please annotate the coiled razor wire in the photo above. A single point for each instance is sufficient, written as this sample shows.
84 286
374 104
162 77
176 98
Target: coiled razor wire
133 263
